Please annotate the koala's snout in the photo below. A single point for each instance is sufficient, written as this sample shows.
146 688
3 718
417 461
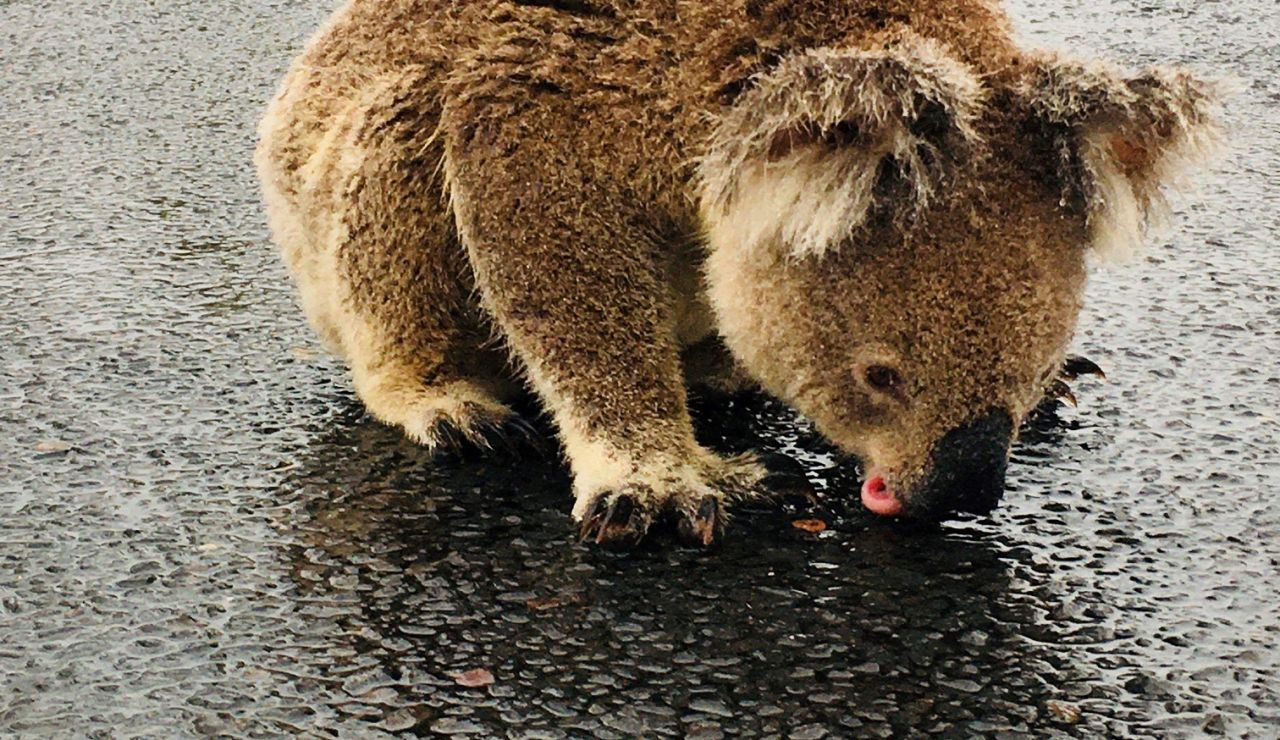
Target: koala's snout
965 474
968 467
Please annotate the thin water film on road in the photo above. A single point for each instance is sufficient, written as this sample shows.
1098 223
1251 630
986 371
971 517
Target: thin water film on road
201 532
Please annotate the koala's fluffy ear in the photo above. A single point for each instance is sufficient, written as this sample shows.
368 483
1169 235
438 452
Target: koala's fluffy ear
1121 140
829 135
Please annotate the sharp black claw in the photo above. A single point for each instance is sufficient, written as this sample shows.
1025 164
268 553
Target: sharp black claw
1074 367
527 434
1060 389
594 517
511 436
447 433
615 521
702 525
493 436
620 512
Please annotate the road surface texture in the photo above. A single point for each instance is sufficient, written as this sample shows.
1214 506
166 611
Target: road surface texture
201 532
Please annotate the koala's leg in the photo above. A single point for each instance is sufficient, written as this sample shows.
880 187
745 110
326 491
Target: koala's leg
386 278
579 290
708 364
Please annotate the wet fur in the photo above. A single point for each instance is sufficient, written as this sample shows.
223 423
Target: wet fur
1135 136
799 157
471 194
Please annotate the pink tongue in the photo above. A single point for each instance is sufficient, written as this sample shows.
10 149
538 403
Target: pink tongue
877 497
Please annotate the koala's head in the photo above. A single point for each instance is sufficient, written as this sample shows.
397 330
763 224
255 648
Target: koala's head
898 248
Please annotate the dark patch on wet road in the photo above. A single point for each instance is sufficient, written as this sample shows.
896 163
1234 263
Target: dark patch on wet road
201 532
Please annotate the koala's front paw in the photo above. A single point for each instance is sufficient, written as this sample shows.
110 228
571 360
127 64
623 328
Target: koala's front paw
693 498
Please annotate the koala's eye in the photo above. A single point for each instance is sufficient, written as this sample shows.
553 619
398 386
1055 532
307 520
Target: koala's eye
884 379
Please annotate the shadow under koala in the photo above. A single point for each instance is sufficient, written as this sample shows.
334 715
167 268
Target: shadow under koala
418 571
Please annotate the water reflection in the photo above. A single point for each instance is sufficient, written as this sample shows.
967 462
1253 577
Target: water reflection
421 571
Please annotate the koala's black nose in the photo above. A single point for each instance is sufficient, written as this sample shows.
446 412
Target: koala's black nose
969 465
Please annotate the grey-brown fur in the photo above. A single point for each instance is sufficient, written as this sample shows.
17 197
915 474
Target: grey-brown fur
471 193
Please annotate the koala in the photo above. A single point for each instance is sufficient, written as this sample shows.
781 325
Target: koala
882 212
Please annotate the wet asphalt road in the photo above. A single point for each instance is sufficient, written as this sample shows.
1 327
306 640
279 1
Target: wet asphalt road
202 533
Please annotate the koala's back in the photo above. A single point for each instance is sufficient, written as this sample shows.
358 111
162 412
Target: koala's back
667 62
369 41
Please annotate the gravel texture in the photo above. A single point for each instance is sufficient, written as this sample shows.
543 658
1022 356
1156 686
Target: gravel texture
201 532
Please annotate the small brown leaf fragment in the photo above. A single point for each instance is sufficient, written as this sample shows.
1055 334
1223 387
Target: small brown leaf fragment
302 353
475 678
1063 712
50 446
812 526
